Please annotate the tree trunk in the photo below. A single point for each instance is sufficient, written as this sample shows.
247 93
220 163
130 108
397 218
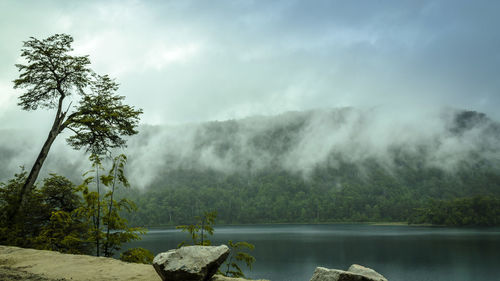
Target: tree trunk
107 252
35 170
98 220
202 227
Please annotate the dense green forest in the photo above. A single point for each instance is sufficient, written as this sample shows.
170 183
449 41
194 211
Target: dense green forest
337 189
475 211
331 194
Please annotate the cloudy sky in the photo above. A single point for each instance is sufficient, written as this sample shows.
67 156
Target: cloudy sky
189 61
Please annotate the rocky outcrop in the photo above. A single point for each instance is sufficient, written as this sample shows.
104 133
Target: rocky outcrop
365 271
190 263
355 273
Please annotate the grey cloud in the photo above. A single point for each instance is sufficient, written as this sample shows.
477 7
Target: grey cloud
252 55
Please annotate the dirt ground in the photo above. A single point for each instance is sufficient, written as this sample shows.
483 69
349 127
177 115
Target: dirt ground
29 264
9 273
38 265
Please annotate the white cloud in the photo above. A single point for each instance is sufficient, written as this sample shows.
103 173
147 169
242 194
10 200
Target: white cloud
159 57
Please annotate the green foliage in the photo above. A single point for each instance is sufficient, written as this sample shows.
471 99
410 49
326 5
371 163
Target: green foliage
237 255
199 230
472 211
65 232
8 194
22 229
73 219
66 228
137 255
48 219
60 193
101 118
108 229
342 193
51 73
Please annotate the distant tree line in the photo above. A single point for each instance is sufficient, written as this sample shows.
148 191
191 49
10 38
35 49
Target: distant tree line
472 211
344 193
337 189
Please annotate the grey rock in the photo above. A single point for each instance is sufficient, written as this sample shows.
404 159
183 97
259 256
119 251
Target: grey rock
368 272
190 263
218 277
325 274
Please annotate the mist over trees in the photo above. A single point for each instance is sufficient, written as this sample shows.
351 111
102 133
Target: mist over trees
324 165
297 142
294 168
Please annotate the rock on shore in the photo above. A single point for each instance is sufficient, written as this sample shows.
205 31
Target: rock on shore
354 273
190 263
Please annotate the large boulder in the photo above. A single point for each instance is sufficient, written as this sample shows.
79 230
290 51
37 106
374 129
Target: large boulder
359 273
365 271
190 263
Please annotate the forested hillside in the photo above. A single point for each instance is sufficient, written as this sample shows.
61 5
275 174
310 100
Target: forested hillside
314 166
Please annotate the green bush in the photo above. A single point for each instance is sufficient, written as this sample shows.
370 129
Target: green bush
137 255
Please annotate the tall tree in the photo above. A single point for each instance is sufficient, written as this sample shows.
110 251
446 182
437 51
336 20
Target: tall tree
51 77
107 229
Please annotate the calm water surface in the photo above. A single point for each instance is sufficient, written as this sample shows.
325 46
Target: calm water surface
292 252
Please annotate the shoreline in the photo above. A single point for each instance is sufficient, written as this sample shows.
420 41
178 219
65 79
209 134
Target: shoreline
375 223
381 223
402 224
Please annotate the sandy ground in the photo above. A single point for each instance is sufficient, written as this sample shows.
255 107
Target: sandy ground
32 264
37 265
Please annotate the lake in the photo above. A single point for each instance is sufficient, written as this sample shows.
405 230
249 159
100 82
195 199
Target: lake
404 253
